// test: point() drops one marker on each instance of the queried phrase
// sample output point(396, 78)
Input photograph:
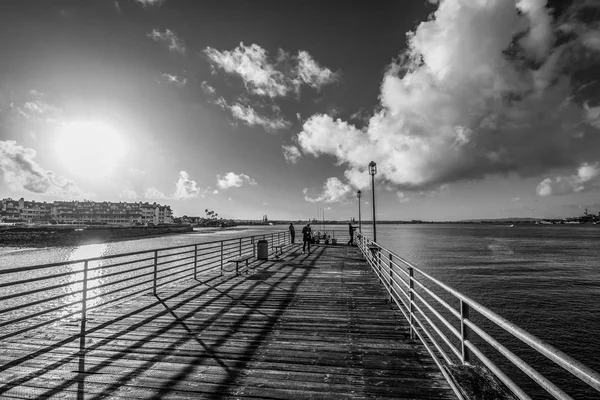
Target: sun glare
point(90, 149)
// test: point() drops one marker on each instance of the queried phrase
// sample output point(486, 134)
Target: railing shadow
point(182, 307)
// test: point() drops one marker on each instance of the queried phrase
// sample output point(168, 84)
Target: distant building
point(85, 212)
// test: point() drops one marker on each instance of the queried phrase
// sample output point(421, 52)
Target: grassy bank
point(47, 236)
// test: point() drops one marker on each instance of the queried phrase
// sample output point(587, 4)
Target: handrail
point(372, 252)
point(68, 288)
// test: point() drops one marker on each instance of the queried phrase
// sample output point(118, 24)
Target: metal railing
point(449, 333)
point(41, 295)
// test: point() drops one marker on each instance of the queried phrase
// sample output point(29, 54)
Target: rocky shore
point(48, 236)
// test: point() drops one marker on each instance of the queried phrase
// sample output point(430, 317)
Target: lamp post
point(358, 194)
point(372, 172)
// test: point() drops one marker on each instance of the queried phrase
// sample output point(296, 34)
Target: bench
point(278, 250)
point(240, 259)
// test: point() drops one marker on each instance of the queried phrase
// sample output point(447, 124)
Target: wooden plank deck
point(304, 326)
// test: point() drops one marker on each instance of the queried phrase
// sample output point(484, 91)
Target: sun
point(90, 149)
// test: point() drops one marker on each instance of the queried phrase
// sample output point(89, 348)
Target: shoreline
point(41, 237)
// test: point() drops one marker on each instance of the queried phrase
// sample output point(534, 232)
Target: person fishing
point(351, 230)
point(292, 232)
point(306, 237)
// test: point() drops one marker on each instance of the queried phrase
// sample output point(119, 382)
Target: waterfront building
point(85, 212)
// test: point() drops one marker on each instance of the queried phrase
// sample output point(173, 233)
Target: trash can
point(262, 250)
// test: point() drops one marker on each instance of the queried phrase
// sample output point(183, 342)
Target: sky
point(470, 108)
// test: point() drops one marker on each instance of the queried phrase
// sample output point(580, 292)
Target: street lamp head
point(372, 168)
point(358, 194)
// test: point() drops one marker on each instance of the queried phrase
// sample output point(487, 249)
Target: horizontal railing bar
point(119, 290)
point(438, 299)
point(163, 255)
point(449, 379)
point(158, 264)
point(438, 331)
point(37, 314)
point(516, 390)
point(38, 290)
point(432, 338)
point(178, 266)
point(119, 264)
point(129, 271)
point(448, 325)
point(517, 361)
point(129, 278)
point(36, 279)
point(40, 301)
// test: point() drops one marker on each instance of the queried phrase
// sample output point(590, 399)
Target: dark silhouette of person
point(292, 232)
point(351, 230)
point(306, 237)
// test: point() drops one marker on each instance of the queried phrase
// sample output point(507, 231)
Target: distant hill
point(524, 219)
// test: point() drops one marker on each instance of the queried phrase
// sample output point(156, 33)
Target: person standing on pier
point(292, 232)
point(306, 237)
point(351, 230)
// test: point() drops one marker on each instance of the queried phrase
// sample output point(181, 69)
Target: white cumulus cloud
point(185, 188)
point(334, 190)
point(587, 178)
point(291, 153)
point(173, 79)
point(154, 194)
point(269, 77)
point(21, 172)
point(231, 179)
point(169, 38)
point(482, 89)
point(250, 117)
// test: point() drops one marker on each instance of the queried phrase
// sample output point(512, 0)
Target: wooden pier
point(304, 326)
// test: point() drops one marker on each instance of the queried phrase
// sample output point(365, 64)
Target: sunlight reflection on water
point(74, 282)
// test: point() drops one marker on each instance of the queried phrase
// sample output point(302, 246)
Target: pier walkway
point(304, 326)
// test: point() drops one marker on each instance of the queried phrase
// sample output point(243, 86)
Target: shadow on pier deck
point(303, 326)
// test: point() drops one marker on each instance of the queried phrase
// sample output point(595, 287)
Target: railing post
point(196, 261)
point(464, 332)
point(391, 278)
point(155, 271)
point(240, 247)
point(253, 247)
point(84, 296)
point(221, 257)
point(411, 285)
point(271, 242)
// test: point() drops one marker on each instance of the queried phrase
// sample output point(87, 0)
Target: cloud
point(21, 172)
point(128, 193)
point(137, 172)
point(155, 194)
point(208, 89)
point(483, 88)
point(38, 107)
point(174, 79)
point(251, 117)
point(169, 38)
point(403, 197)
point(291, 153)
point(271, 77)
point(334, 190)
point(231, 179)
point(185, 188)
point(587, 178)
